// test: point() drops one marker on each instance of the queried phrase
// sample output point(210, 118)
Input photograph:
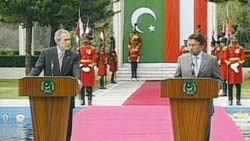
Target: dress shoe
point(82, 102)
point(90, 103)
point(224, 94)
point(102, 87)
point(113, 82)
point(238, 103)
point(88, 95)
point(230, 103)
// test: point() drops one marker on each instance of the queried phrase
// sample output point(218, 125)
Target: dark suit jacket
point(48, 61)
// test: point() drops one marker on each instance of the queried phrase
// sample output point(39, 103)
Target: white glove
point(90, 65)
point(219, 62)
point(86, 69)
point(235, 67)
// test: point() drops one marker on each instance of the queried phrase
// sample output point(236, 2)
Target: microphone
point(52, 69)
point(192, 66)
point(192, 63)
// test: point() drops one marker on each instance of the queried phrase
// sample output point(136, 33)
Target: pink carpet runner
point(148, 94)
point(141, 123)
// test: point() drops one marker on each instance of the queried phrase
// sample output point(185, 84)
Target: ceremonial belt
point(85, 60)
point(234, 59)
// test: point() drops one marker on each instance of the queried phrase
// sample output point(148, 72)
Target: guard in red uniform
point(135, 47)
point(235, 58)
point(87, 64)
point(184, 48)
point(102, 61)
point(113, 60)
point(223, 65)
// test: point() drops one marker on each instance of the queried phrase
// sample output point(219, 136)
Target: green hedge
point(16, 52)
point(247, 62)
point(15, 61)
point(19, 61)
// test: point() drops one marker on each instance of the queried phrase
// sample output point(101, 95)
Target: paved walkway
point(114, 95)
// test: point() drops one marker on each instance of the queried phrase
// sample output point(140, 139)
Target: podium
point(50, 101)
point(191, 106)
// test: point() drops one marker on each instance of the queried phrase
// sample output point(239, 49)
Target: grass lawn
point(246, 89)
point(246, 85)
point(9, 88)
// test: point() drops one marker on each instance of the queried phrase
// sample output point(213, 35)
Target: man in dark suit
point(60, 61)
point(198, 64)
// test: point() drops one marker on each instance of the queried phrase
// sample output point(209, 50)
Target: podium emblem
point(48, 87)
point(190, 88)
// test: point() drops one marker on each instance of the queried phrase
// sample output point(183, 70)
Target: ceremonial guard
point(113, 60)
point(184, 48)
point(235, 58)
point(102, 61)
point(223, 66)
point(87, 64)
point(135, 49)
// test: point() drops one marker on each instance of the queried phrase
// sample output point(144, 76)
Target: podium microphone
point(192, 63)
point(192, 66)
point(52, 69)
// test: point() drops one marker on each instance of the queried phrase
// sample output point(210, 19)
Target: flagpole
point(79, 17)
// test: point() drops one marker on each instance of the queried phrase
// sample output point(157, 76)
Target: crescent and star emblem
point(138, 13)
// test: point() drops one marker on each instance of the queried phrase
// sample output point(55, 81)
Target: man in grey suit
point(198, 64)
point(60, 61)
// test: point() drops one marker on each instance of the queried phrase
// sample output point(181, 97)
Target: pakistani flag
point(164, 24)
point(149, 16)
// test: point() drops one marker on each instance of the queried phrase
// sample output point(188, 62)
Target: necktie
point(196, 66)
point(60, 58)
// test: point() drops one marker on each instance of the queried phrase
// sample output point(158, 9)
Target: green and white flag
point(148, 14)
point(163, 24)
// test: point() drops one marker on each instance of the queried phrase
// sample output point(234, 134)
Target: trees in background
point(23, 12)
point(238, 13)
point(53, 13)
point(8, 31)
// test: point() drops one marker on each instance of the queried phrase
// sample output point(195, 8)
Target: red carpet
point(141, 123)
point(148, 94)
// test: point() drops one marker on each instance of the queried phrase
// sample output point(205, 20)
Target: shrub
point(15, 61)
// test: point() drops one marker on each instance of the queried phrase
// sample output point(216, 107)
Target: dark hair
point(198, 37)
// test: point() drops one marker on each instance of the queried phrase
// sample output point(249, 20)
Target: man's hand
point(79, 83)
point(219, 62)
